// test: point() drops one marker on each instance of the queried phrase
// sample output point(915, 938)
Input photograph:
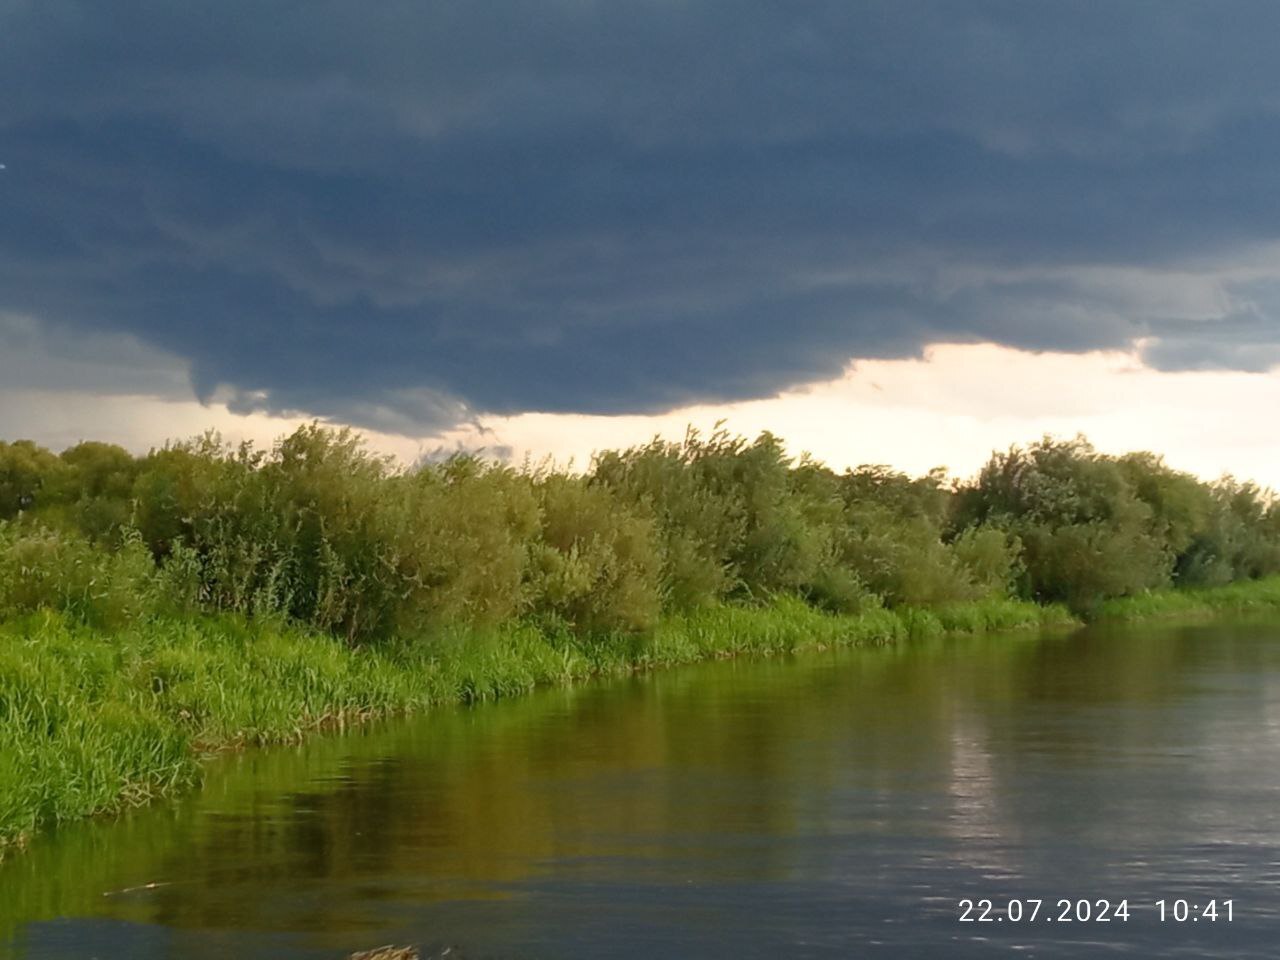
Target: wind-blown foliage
point(1095, 527)
point(320, 532)
point(207, 595)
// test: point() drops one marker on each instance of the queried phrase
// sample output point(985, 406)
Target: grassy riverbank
point(94, 721)
point(1242, 597)
point(204, 596)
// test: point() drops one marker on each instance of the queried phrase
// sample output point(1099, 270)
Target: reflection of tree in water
point(738, 772)
point(465, 803)
point(1110, 736)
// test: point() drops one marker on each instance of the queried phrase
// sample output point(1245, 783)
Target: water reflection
point(814, 807)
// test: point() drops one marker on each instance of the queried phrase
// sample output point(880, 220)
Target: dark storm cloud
point(405, 213)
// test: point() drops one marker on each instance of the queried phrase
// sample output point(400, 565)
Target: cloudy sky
point(900, 232)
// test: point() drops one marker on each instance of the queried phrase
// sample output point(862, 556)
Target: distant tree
point(27, 471)
point(98, 486)
point(1085, 531)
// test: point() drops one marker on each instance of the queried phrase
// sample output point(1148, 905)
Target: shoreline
point(93, 722)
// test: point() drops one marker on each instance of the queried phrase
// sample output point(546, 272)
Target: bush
point(734, 518)
point(44, 569)
point(598, 565)
point(891, 537)
point(27, 472)
point(1086, 533)
point(991, 558)
point(463, 543)
point(319, 531)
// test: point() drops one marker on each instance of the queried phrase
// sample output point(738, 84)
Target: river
point(838, 804)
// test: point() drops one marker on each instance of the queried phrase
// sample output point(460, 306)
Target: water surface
point(832, 805)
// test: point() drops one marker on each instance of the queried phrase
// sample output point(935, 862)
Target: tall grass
point(93, 721)
point(1253, 596)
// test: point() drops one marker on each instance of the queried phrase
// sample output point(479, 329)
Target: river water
point(838, 804)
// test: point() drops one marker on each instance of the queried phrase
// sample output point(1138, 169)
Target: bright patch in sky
point(950, 408)
point(894, 232)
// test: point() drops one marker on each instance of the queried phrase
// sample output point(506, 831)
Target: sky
point(891, 232)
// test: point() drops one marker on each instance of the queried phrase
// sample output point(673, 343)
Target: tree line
point(320, 531)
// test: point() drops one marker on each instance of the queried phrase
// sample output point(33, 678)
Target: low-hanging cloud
point(406, 215)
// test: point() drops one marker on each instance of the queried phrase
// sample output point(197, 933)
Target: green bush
point(735, 519)
point(463, 538)
point(991, 558)
point(319, 531)
point(891, 537)
point(27, 473)
point(1086, 533)
point(597, 566)
point(45, 569)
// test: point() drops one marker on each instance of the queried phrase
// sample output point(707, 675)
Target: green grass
point(1245, 596)
point(92, 721)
